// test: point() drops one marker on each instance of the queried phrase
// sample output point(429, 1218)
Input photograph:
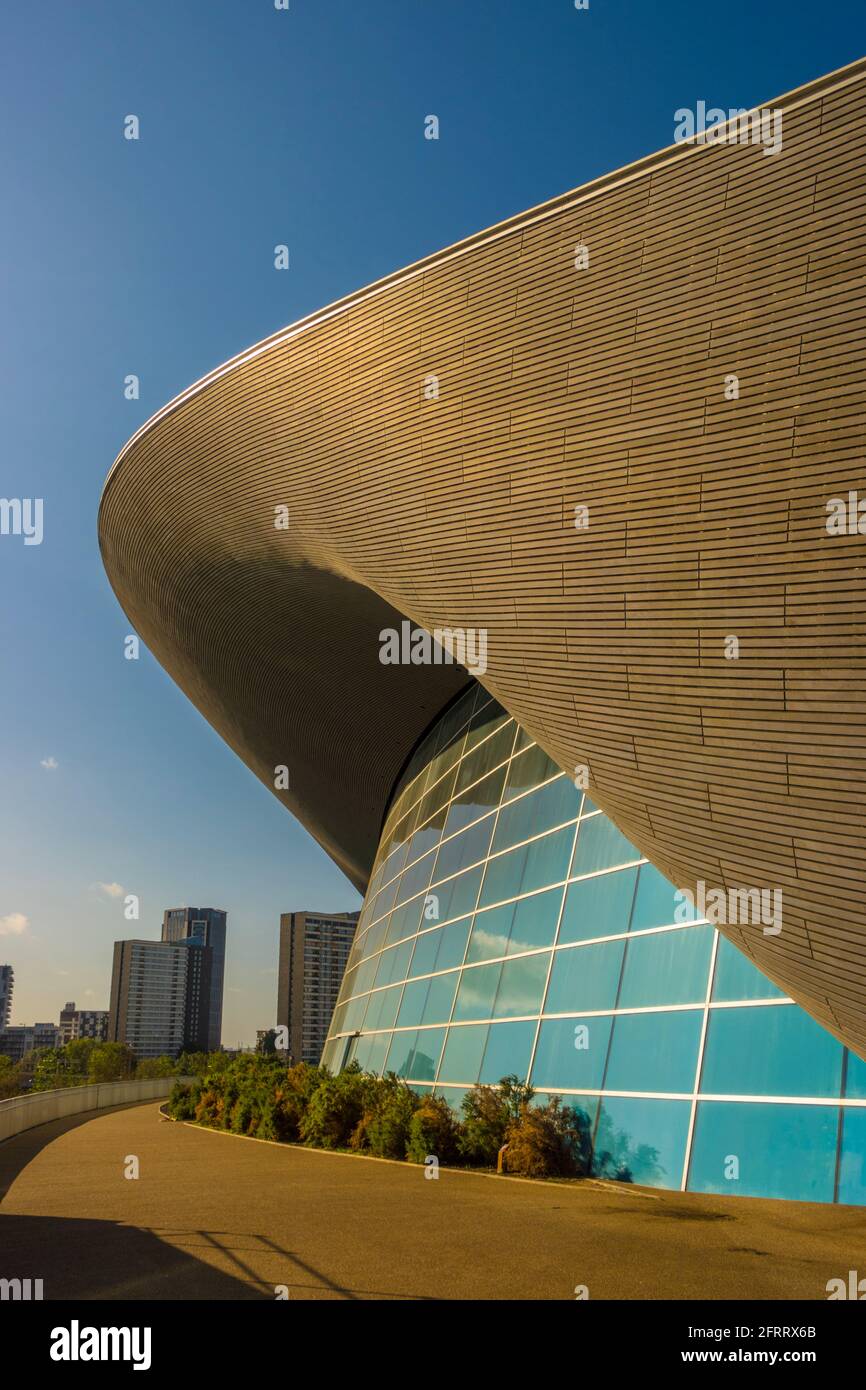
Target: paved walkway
point(216, 1217)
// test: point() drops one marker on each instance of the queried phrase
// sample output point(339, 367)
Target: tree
point(155, 1066)
point(111, 1061)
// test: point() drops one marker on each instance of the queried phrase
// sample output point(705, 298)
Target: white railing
point(37, 1108)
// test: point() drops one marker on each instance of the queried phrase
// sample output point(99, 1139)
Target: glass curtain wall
point(510, 928)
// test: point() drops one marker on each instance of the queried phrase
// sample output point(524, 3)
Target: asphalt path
point(214, 1216)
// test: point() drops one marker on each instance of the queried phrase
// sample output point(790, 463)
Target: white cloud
point(13, 924)
point(111, 890)
point(49, 763)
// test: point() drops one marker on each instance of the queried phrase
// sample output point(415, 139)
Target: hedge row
point(383, 1116)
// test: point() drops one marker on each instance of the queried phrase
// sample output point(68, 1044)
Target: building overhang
point(559, 386)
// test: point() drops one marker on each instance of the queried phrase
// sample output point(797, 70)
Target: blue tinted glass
point(394, 963)
point(509, 1046)
point(737, 978)
point(426, 946)
point(601, 846)
point(584, 977)
point(453, 1094)
point(642, 1141)
point(571, 1053)
point(457, 896)
point(656, 903)
point(452, 944)
point(541, 810)
point(598, 906)
point(774, 1050)
point(412, 1006)
point(414, 880)
point(855, 1079)
point(477, 992)
point(852, 1167)
point(669, 967)
point(535, 921)
point(464, 1049)
point(536, 865)
point(490, 933)
point(377, 1052)
point(407, 1060)
point(755, 1150)
point(440, 997)
point(475, 802)
point(462, 850)
point(654, 1052)
point(521, 986)
point(425, 1054)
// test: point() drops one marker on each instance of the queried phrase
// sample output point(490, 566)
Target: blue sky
point(155, 257)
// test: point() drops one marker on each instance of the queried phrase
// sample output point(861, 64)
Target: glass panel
point(669, 967)
point(654, 1052)
point(463, 1052)
point(457, 895)
point(530, 769)
point(737, 977)
point(597, 906)
point(377, 1053)
point(852, 1166)
point(541, 810)
point(414, 880)
point(585, 977)
point(855, 1078)
point(452, 944)
point(415, 1056)
point(382, 1010)
point(440, 998)
point(755, 1150)
point(490, 933)
point(509, 1047)
point(394, 963)
point(485, 757)
point(601, 846)
point(475, 802)
point(571, 1053)
point(477, 992)
point(521, 986)
point(412, 1006)
point(774, 1050)
point(641, 1141)
point(470, 847)
point(536, 865)
point(426, 946)
point(656, 902)
point(534, 921)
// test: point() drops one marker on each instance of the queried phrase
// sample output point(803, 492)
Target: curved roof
point(560, 388)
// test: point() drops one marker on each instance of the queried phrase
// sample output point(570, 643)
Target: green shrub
point(335, 1108)
point(183, 1100)
point(384, 1125)
point(485, 1120)
point(434, 1130)
point(547, 1141)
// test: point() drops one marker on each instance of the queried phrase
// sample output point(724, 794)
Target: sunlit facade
point(510, 928)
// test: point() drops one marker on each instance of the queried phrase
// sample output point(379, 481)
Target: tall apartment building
point(314, 949)
point(7, 980)
point(203, 926)
point(82, 1023)
point(149, 993)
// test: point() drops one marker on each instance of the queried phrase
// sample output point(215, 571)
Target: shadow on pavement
point(109, 1260)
